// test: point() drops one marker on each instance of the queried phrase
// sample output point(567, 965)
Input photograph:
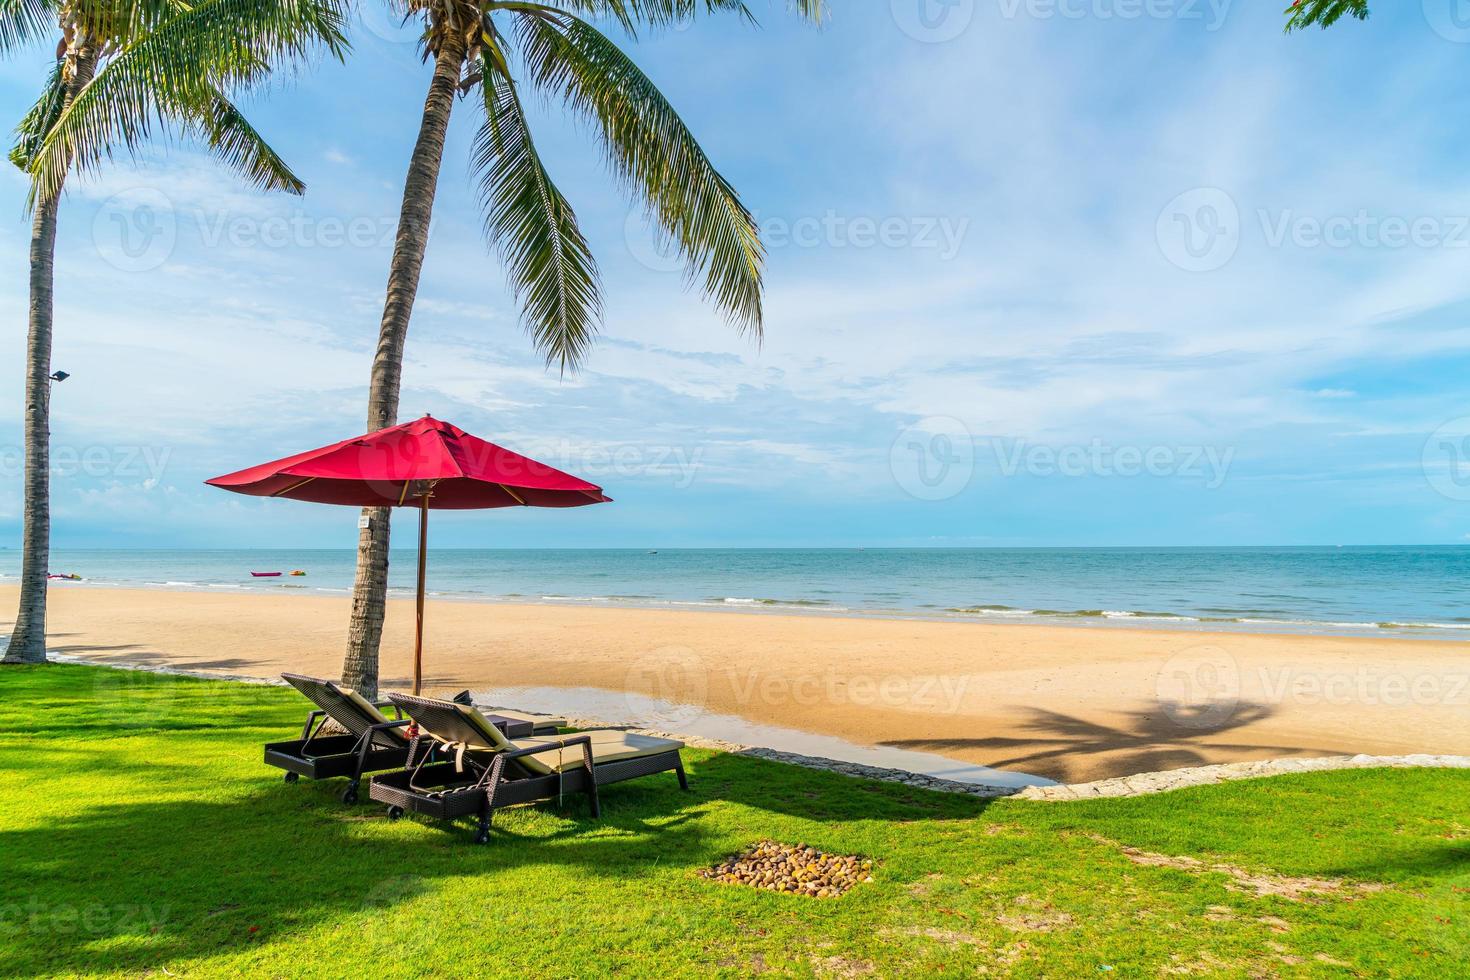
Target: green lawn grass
point(140, 833)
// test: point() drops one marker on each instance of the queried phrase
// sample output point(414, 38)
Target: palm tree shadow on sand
point(1158, 736)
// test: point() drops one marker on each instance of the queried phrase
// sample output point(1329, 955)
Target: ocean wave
point(1132, 614)
point(990, 611)
point(711, 603)
point(1145, 615)
point(1135, 615)
point(1233, 612)
point(1340, 625)
point(793, 603)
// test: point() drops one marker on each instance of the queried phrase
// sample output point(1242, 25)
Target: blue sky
point(1042, 272)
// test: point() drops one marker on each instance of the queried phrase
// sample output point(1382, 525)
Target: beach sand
point(1067, 703)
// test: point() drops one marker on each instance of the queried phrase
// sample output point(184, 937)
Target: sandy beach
point(1066, 703)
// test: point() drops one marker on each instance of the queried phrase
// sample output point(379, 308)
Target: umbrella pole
point(418, 629)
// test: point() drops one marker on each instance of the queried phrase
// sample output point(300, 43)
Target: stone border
point(1140, 784)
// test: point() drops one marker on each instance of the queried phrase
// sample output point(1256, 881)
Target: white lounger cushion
point(607, 746)
point(364, 705)
point(370, 710)
point(537, 720)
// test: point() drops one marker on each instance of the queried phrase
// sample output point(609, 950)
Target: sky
point(1041, 272)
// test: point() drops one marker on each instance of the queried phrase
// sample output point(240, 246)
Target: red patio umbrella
point(425, 464)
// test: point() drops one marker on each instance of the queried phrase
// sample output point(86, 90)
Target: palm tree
point(124, 68)
point(490, 48)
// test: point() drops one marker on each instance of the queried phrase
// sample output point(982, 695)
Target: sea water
point(1412, 591)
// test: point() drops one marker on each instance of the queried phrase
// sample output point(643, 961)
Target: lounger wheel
point(291, 777)
point(349, 795)
point(395, 813)
point(482, 826)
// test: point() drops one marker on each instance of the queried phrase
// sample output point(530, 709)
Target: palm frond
point(1324, 13)
point(177, 72)
point(230, 137)
point(548, 260)
point(23, 22)
point(812, 10)
point(31, 131)
point(654, 154)
point(114, 24)
point(630, 15)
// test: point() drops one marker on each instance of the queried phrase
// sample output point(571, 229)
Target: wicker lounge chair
point(475, 769)
point(362, 740)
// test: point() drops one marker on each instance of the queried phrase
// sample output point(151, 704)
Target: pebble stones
point(798, 870)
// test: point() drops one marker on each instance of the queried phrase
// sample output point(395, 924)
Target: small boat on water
point(266, 574)
point(298, 572)
point(68, 577)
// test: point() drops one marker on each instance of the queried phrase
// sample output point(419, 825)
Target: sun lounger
point(362, 740)
point(475, 769)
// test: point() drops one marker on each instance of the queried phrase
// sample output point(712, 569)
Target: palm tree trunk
point(28, 639)
point(369, 593)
